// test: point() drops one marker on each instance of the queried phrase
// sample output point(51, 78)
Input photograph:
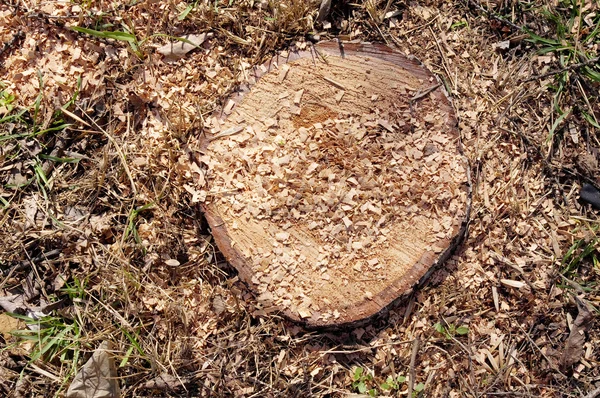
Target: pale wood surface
point(410, 148)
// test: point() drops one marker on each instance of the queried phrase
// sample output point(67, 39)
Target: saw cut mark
point(338, 191)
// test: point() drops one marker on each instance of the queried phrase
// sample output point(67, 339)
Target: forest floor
point(103, 240)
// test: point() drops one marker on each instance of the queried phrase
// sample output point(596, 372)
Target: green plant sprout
point(574, 43)
point(54, 340)
point(131, 229)
point(418, 389)
point(393, 383)
point(582, 250)
point(362, 382)
point(183, 15)
point(451, 330)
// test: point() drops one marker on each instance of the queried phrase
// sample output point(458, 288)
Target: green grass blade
point(590, 119)
point(53, 342)
point(60, 160)
point(39, 171)
point(182, 39)
point(13, 136)
point(536, 39)
point(115, 35)
point(127, 355)
point(55, 128)
point(9, 118)
point(134, 342)
point(551, 49)
point(557, 123)
point(592, 74)
point(183, 15)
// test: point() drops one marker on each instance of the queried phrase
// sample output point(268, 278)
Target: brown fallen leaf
point(177, 49)
point(8, 324)
point(97, 378)
point(324, 10)
point(574, 346)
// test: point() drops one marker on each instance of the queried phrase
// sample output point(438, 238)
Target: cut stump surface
point(336, 182)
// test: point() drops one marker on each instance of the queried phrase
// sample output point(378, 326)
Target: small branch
point(334, 83)
point(424, 93)
point(413, 358)
point(27, 263)
point(495, 16)
point(565, 69)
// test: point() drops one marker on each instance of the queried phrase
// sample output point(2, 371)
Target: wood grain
point(336, 84)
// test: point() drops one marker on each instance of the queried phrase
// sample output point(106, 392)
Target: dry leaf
point(574, 346)
point(98, 377)
point(8, 324)
point(177, 49)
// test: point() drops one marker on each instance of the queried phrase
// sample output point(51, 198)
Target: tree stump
point(336, 182)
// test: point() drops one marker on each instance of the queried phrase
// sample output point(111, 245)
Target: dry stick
point(469, 384)
point(541, 352)
point(35, 270)
point(413, 358)
point(421, 27)
point(545, 164)
point(424, 93)
point(25, 264)
point(444, 59)
point(515, 100)
point(334, 83)
point(566, 69)
point(399, 44)
point(361, 349)
point(586, 99)
point(381, 33)
point(495, 16)
point(470, 357)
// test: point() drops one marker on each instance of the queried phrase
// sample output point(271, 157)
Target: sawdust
point(196, 320)
point(336, 201)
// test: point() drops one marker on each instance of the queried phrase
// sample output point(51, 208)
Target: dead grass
point(119, 219)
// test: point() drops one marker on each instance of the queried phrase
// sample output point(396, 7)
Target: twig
point(495, 16)
point(545, 164)
point(112, 141)
point(413, 358)
point(230, 131)
point(334, 83)
point(550, 364)
point(415, 29)
point(25, 264)
point(561, 70)
point(354, 349)
point(470, 357)
point(444, 59)
point(424, 93)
